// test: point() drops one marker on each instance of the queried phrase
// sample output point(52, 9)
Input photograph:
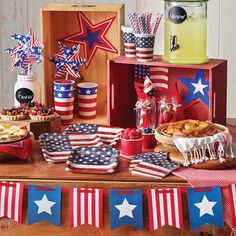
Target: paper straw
point(157, 23)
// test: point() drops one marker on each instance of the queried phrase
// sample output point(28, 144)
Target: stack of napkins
point(152, 164)
point(95, 160)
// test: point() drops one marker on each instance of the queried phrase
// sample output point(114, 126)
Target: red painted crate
point(122, 96)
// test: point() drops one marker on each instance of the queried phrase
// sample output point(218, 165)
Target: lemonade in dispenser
point(185, 29)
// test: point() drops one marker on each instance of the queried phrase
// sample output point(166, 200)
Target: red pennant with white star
point(92, 37)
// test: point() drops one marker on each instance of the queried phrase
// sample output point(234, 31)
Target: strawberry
point(167, 115)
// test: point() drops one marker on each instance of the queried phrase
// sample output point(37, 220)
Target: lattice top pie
point(189, 129)
point(9, 133)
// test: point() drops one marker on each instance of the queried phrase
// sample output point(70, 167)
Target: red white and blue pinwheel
point(67, 61)
point(27, 52)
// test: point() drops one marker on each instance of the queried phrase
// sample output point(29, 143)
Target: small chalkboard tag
point(177, 15)
point(24, 95)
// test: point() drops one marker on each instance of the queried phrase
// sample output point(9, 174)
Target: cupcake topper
point(67, 61)
point(27, 52)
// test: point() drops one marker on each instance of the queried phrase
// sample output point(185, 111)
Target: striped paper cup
point(129, 41)
point(144, 47)
point(64, 85)
point(87, 100)
point(64, 103)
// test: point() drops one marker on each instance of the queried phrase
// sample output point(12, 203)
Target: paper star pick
point(67, 61)
point(92, 36)
point(125, 209)
point(44, 205)
point(198, 88)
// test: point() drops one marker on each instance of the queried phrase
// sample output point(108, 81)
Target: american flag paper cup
point(64, 85)
point(87, 100)
point(144, 47)
point(64, 101)
point(129, 41)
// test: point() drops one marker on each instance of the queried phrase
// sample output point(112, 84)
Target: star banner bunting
point(92, 37)
point(44, 204)
point(165, 208)
point(86, 207)
point(126, 208)
point(205, 206)
point(198, 88)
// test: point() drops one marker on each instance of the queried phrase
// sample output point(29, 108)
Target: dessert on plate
point(10, 133)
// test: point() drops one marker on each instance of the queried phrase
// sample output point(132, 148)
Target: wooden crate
point(122, 95)
point(61, 20)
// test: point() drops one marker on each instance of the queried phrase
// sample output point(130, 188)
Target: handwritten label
point(24, 95)
point(177, 15)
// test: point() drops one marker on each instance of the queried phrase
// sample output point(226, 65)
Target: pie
point(189, 129)
point(41, 114)
point(10, 133)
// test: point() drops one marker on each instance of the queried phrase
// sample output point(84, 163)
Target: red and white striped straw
point(157, 23)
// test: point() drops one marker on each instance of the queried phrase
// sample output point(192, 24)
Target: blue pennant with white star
point(44, 204)
point(126, 208)
point(197, 88)
point(205, 206)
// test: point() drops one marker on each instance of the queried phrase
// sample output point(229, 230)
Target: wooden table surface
point(37, 171)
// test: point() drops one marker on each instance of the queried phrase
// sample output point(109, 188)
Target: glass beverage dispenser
point(185, 26)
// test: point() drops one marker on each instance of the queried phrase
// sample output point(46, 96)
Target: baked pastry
point(15, 113)
point(9, 133)
point(189, 129)
point(41, 114)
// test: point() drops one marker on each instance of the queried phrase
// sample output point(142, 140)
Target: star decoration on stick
point(27, 52)
point(67, 61)
point(92, 36)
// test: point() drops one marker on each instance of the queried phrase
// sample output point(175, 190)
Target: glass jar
point(146, 114)
point(185, 30)
point(26, 89)
point(167, 109)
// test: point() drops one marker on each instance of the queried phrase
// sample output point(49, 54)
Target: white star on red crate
point(92, 37)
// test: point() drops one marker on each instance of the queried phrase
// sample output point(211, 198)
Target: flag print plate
point(108, 135)
point(56, 147)
point(81, 128)
point(101, 160)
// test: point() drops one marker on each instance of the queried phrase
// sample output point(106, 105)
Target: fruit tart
point(15, 113)
point(41, 113)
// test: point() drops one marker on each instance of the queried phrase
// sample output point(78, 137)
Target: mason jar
point(185, 31)
point(26, 89)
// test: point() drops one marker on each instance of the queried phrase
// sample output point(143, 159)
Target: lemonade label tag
point(177, 15)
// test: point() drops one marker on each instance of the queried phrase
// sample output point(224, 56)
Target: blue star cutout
point(198, 88)
point(92, 37)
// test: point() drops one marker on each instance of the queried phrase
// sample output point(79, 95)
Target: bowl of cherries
point(131, 142)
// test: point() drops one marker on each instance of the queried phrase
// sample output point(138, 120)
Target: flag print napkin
point(152, 164)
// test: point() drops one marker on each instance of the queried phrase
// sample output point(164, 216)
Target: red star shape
point(92, 37)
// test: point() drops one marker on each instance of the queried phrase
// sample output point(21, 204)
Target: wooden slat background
point(16, 16)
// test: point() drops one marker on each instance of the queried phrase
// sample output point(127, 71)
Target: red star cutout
point(92, 37)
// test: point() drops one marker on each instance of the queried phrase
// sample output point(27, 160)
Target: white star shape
point(69, 95)
point(55, 87)
point(199, 87)
point(71, 87)
point(205, 206)
point(44, 205)
point(59, 95)
point(62, 88)
point(88, 91)
point(96, 90)
point(79, 91)
point(126, 209)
